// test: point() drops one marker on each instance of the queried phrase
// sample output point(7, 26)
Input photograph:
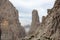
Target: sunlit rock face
point(54, 31)
point(9, 23)
point(50, 27)
point(35, 22)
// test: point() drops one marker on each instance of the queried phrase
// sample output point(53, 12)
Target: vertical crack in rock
point(0, 33)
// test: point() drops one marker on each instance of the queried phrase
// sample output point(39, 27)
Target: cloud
point(30, 3)
point(25, 8)
point(25, 21)
point(25, 18)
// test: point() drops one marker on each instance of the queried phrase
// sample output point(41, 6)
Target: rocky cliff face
point(10, 28)
point(9, 23)
point(35, 22)
point(49, 29)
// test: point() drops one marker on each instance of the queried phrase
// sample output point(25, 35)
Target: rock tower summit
point(35, 21)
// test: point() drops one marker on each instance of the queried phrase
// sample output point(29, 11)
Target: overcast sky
point(25, 8)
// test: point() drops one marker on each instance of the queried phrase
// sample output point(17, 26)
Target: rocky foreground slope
point(10, 28)
point(49, 29)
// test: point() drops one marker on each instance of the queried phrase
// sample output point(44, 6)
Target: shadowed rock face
point(35, 22)
point(9, 23)
point(0, 34)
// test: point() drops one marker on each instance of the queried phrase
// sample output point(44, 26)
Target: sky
point(25, 8)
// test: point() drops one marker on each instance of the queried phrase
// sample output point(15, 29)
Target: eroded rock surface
point(49, 29)
point(35, 22)
point(9, 23)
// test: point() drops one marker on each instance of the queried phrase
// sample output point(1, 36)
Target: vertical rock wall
point(9, 22)
point(35, 22)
